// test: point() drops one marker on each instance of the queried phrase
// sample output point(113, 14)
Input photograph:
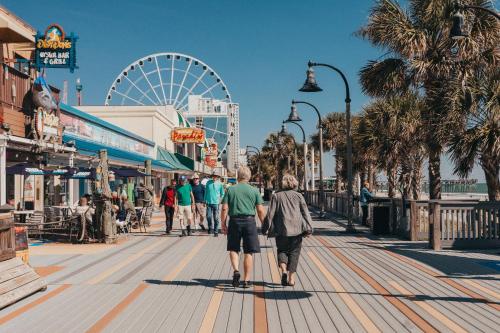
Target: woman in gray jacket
point(288, 220)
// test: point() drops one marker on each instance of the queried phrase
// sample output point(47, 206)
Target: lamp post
point(305, 185)
point(310, 85)
point(258, 164)
point(79, 88)
point(294, 116)
point(457, 29)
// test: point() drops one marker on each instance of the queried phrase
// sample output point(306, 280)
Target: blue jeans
point(213, 218)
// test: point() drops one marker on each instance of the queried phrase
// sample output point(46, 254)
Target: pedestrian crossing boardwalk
point(345, 283)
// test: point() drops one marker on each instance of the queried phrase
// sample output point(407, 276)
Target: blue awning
point(92, 149)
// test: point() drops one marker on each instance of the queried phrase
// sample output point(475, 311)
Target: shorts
point(243, 228)
point(199, 211)
point(185, 212)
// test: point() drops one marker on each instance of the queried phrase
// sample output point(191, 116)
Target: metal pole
point(295, 161)
point(306, 184)
point(313, 180)
point(321, 186)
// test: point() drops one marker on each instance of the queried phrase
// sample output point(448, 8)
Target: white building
point(221, 122)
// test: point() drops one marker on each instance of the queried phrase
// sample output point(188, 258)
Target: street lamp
point(457, 31)
point(284, 132)
point(294, 115)
point(311, 85)
point(258, 164)
point(305, 185)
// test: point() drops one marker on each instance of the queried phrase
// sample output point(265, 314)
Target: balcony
point(14, 85)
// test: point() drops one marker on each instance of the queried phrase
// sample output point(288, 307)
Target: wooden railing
point(13, 86)
point(461, 223)
point(464, 225)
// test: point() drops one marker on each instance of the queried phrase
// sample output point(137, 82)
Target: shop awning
point(172, 159)
point(24, 169)
point(92, 149)
point(128, 172)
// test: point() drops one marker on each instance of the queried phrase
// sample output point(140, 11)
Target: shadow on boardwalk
point(225, 285)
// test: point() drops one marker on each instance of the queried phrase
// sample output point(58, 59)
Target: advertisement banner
point(211, 153)
point(187, 135)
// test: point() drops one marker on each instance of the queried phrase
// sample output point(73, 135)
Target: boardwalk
point(346, 283)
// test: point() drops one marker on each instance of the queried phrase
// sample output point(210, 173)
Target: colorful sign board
point(211, 153)
point(187, 135)
point(54, 49)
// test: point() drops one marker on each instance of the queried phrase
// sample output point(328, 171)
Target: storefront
point(127, 152)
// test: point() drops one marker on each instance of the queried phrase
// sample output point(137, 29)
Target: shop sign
point(187, 135)
point(46, 124)
point(211, 154)
point(54, 49)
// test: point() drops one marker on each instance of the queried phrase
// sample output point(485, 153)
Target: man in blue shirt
point(214, 192)
point(199, 201)
point(364, 198)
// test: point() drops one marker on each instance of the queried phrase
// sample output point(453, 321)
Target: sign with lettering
point(187, 135)
point(211, 153)
point(54, 49)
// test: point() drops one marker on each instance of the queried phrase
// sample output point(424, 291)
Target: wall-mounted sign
point(45, 119)
point(211, 153)
point(187, 135)
point(54, 49)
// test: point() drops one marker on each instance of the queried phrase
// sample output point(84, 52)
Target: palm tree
point(334, 135)
point(388, 130)
point(422, 58)
point(480, 137)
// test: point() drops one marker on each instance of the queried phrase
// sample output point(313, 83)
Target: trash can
point(381, 216)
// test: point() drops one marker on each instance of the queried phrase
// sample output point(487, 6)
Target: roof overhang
point(13, 29)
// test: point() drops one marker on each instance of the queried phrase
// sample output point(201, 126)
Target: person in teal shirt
point(184, 205)
point(214, 192)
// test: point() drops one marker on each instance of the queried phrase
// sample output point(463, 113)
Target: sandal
point(236, 279)
point(284, 279)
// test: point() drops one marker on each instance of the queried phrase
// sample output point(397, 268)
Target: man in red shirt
point(168, 200)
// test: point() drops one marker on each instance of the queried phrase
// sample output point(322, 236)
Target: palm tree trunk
point(434, 172)
point(416, 179)
point(338, 182)
point(491, 173)
point(391, 180)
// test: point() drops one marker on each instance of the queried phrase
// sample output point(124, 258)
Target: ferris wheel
point(170, 79)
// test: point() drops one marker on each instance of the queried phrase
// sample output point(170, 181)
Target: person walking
point(240, 203)
point(288, 220)
point(364, 198)
point(184, 205)
point(199, 201)
point(214, 192)
point(168, 200)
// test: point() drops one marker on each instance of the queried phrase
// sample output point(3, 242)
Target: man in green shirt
point(184, 205)
point(241, 203)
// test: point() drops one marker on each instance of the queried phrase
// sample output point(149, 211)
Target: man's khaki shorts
point(185, 213)
point(200, 211)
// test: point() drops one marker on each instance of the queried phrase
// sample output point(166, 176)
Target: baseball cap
point(196, 176)
point(183, 177)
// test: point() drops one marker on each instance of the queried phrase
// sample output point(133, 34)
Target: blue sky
point(260, 48)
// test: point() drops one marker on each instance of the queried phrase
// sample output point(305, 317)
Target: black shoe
point(209, 231)
point(236, 279)
point(202, 227)
point(284, 279)
point(167, 232)
point(216, 234)
point(246, 284)
point(183, 234)
point(188, 230)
